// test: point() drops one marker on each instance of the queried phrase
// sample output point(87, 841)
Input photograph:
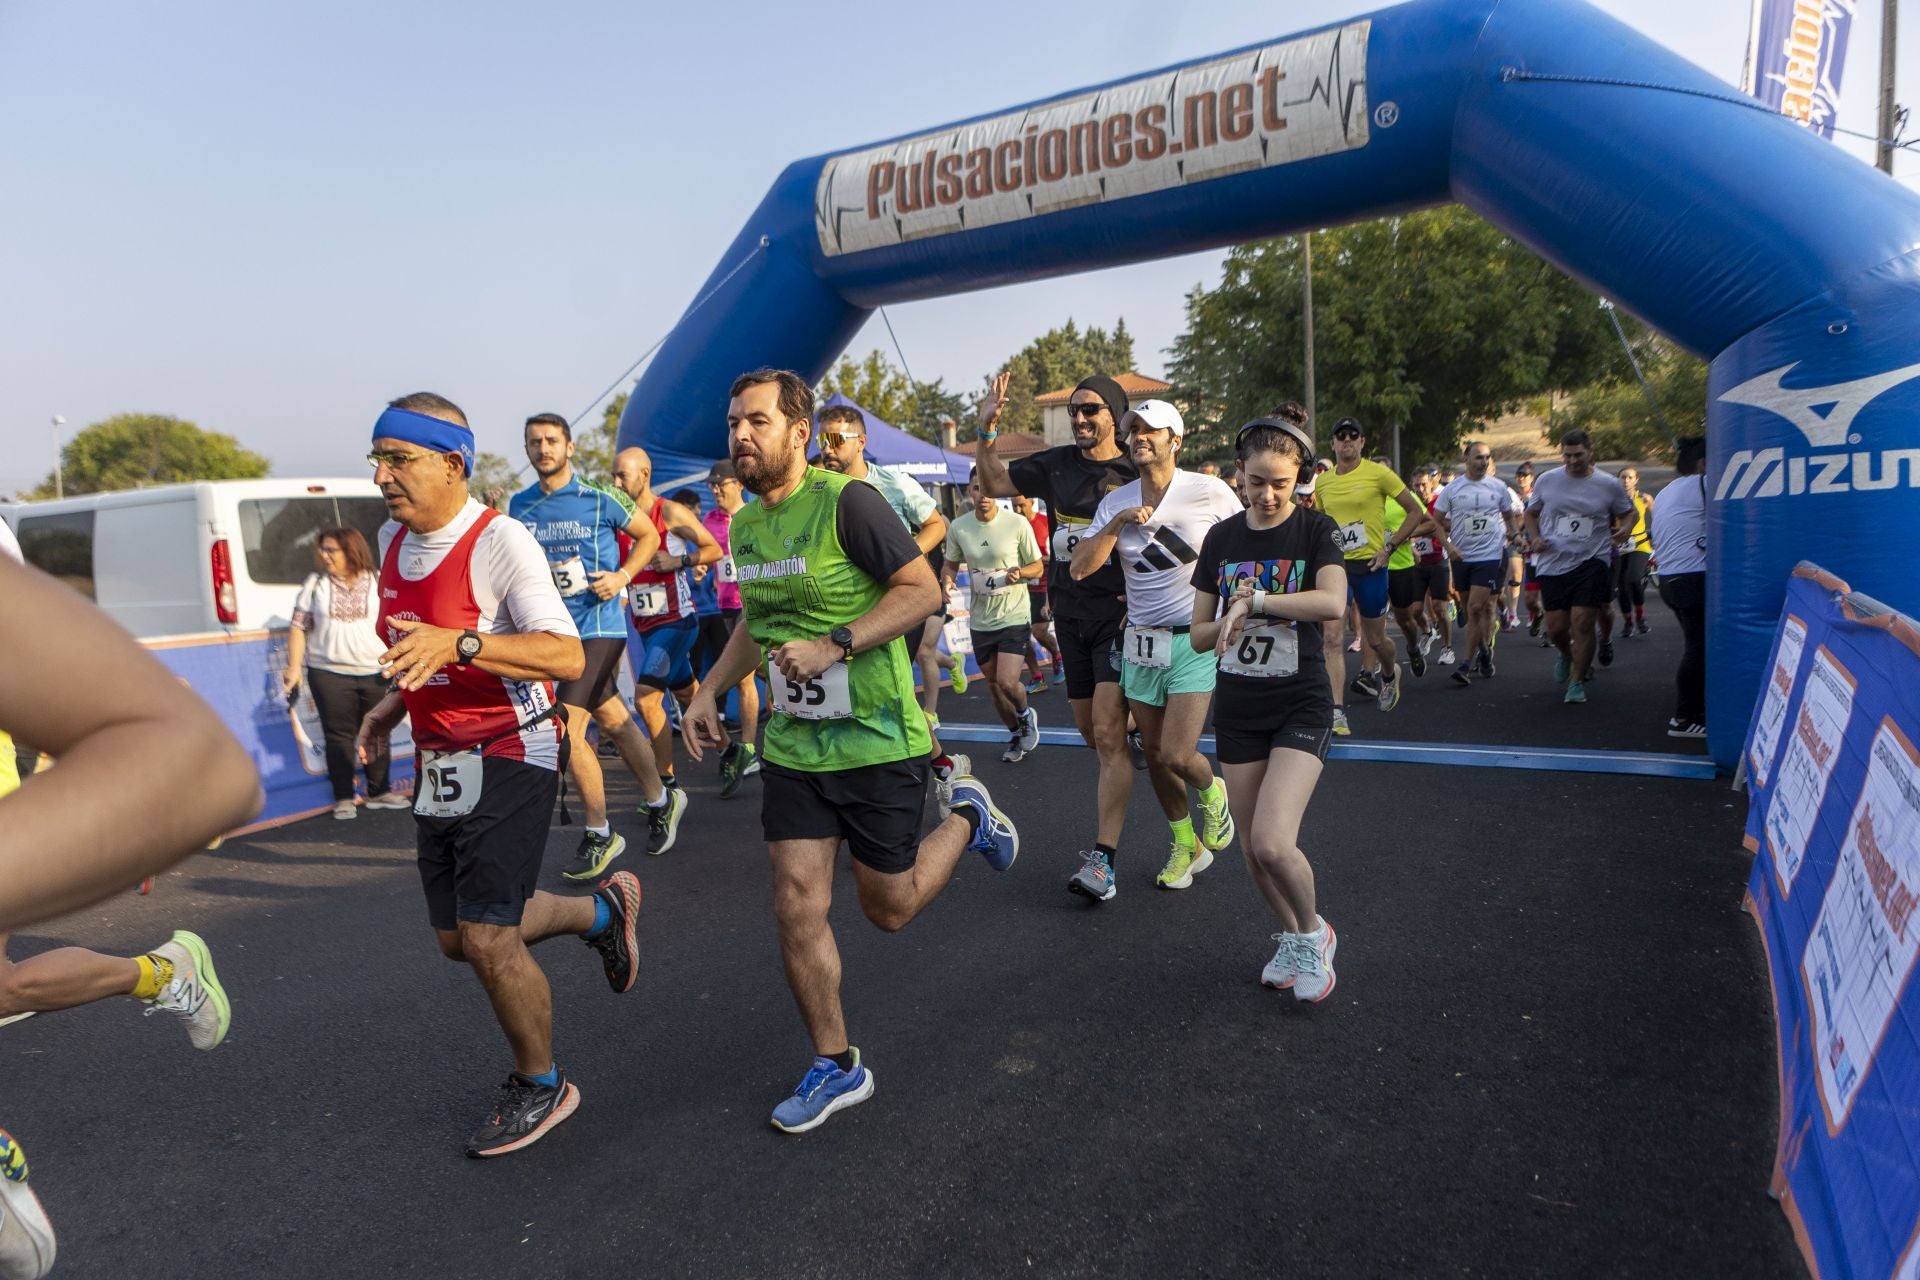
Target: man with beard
point(575, 522)
point(830, 582)
point(1088, 611)
point(1575, 516)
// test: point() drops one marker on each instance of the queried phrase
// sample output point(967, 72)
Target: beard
point(764, 471)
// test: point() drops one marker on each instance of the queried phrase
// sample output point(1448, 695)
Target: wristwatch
point(467, 646)
point(843, 636)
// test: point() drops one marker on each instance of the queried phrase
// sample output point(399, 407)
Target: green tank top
point(797, 583)
point(1402, 556)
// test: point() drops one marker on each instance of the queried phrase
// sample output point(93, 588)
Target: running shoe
point(1137, 750)
point(1285, 965)
point(1183, 864)
point(1606, 653)
point(1036, 685)
point(1059, 673)
point(1389, 696)
point(1562, 668)
point(389, 800)
point(1463, 676)
point(595, 852)
point(663, 823)
point(933, 721)
point(1576, 692)
point(1014, 753)
point(943, 779)
point(1513, 622)
point(1533, 625)
point(1029, 729)
point(1427, 641)
point(1313, 960)
point(343, 810)
point(1340, 729)
point(619, 943)
point(1486, 664)
point(996, 840)
point(194, 993)
point(27, 1246)
point(1216, 828)
point(1353, 645)
point(1642, 627)
point(1365, 685)
point(1094, 879)
point(1626, 629)
point(959, 674)
point(524, 1112)
point(1446, 658)
point(738, 760)
point(1678, 728)
point(824, 1090)
point(1416, 659)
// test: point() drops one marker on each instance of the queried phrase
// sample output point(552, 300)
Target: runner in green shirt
point(829, 582)
point(1002, 556)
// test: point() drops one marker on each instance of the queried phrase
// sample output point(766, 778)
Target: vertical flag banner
point(1796, 52)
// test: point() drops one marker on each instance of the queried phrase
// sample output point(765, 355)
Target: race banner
point(1833, 773)
point(1796, 52)
point(1282, 102)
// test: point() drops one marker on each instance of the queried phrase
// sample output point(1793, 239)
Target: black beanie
point(1109, 390)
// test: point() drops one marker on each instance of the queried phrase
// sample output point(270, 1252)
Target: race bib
point(825, 697)
point(1423, 546)
point(1150, 647)
point(569, 575)
point(1572, 527)
point(1351, 537)
point(1267, 650)
point(647, 599)
point(726, 571)
point(981, 591)
point(449, 783)
point(1066, 536)
point(1479, 524)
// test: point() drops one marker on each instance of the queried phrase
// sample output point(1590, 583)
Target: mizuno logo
point(1769, 473)
point(1824, 415)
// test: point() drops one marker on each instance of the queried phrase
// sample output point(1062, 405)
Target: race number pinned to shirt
point(726, 571)
point(647, 599)
point(1266, 650)
point(449, 783)
point(825, 697)
point(1149, 647)
point(1574, 528)
point(1067, 533)
point(1423, 546)
point(1351, 537)
point(569, 575)
point(1479, 524)
point(988, 585)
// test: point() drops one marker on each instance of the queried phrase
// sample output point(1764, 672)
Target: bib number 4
point(824, 697)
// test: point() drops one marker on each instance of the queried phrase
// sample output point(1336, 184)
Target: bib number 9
point(1265, 650)
point(824, 697)
point(1571, 527)
point(449, 784)
point(1149, 647)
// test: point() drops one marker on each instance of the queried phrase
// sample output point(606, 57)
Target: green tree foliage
point(1614, 408)
point(1434, 321)
point(494, 480)
point(1060, 358)
point(880, 387)
point(594, 443)
point(135, 450)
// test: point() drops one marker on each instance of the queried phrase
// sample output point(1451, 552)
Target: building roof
point(1137, 386)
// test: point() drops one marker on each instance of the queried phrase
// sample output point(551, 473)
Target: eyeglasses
point(393, 459)
point(837, 439)
point(1084, 410)
point(1347, 433)
point(721, 483)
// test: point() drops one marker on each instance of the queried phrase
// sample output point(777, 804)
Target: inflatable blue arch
point(1787, 263)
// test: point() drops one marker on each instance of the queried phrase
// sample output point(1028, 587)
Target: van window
point(277, 534)
point(61, 545)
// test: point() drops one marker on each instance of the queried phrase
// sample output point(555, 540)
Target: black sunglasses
point(1348, 433)
point(1084, 410)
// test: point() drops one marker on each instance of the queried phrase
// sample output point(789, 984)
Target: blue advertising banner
point(1796, 53)
point(1833, 770)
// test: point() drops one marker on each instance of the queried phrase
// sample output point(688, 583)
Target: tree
point(594, 445)
point(885, 391)
point(493, 481)
point(1058, 358)
point(1614, 410)
point(1434, 321)
point(134, 450)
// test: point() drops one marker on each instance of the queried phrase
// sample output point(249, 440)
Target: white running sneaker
point(1029, 730)
point(1313, 964)
point(389, 800)
point(1446, 658)
point(1389, 696)
point(195, 993)
point(344, 809)
point(1426, 643)
point(1283, 968)
point(943, 783)
point(26, 1236)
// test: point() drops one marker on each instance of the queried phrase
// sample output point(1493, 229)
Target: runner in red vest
point(479, 633)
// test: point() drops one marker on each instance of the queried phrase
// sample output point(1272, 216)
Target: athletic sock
point(155, 973)
point(943, 761)
point(550, 1077)
point(661, 803)
point(1183, 830)
point(1109, 850)
point(842, 1060)
point(972, 816)
point(1215, 795)
point(604, 830)
point(602, 917)
point(668, 781)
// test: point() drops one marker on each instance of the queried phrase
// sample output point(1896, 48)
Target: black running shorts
point(875, 809)
point(1436, 579)
point(1468, 574)
point(483, 866)
point(1403, 587)
point(1090, 652)
point(594, 685)
point(1588, 586)
point(1015, 639)
point(1306, 726)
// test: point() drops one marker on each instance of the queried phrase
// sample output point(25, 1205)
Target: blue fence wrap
point(1833, 759)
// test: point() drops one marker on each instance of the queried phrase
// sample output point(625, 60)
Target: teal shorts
point(1189, 672)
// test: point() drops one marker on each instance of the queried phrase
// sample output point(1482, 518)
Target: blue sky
point(271, 218)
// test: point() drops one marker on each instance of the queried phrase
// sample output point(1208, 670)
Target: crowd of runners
point(1149, 586)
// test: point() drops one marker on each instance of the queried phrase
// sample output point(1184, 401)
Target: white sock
point(604, 830)
point(661, 802)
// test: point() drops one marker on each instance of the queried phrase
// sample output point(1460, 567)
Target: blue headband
point(436, 434)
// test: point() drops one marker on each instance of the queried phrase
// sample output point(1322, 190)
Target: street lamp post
point(59, 481)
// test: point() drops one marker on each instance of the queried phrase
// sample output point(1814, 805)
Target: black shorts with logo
point(595, 683)
point(1090, 651)
point(1468, 574)
point(1588, 586)
point(1015, 640)
point(1305, 725)
point(875, 809)
point(481, 867)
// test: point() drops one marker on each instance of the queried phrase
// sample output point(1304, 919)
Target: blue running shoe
point(824, 1090)
point(996, 840)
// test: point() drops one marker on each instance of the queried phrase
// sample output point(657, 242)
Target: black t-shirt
point(1284, 559)
point(1072, 487)
point(871, 534)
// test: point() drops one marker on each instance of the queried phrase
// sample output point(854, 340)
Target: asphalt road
point(1550, 1051)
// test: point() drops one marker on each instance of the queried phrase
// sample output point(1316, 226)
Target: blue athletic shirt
point(574, 526)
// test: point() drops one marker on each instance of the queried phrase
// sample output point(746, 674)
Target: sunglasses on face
point(1346, 433)
point(1084, 410)
point(836, 439)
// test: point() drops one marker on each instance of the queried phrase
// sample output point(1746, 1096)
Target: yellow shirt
point(9, 766)
point(1639, 540)
point(1357, 501)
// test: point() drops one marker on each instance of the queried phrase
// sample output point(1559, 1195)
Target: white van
point(188, 559)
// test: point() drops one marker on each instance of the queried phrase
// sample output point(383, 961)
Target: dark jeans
point(1686, 595)
point(343, 701)
point(1630, 580)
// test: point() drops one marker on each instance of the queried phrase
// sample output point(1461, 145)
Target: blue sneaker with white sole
point(996, 839)
point(824, 1090)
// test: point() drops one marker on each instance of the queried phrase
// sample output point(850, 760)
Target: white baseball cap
point(1157, 415)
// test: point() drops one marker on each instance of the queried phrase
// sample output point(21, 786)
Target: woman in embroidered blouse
point(333, 636)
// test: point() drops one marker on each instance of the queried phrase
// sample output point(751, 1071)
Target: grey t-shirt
point(1575, 517)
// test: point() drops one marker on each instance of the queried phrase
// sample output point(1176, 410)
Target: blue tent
point(889, 446)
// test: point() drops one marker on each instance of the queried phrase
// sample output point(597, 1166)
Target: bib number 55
point(824, 697)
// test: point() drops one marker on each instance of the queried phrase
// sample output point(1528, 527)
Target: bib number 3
point(570, 576)
point(825, 697)
point(449, 785)
point(1150, 647)
point(1265, 650)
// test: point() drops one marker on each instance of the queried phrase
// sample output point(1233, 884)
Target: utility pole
point(1306, 311)
point(1889, 35)
point(59, 481)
